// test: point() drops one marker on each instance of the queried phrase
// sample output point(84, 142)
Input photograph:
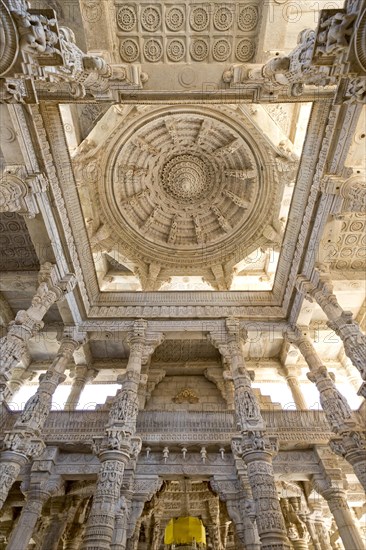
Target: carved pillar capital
point(350, 190)
point(16, 194)
point(352, 447)
point(320, 288)
point(137, 333)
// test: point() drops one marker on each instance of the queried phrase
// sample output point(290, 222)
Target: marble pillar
point(257, 449)
point(296, 528)
point(83, 375)
point(118, 445)
point(36, 497)
point(25, 440)
point(119, 539)
point(52, 288)
point(351, 442)
point(100, 525)
point(340, 321)
point(291, 375)
point(62, 510)
point(320, 536)
point(337, 502)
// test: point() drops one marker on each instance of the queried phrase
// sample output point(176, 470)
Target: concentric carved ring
point(199, 19)
point(129, 50)
point(187, 178)
point(150, 18)
point(126, 18)
point(174, 19)
point(248, 18)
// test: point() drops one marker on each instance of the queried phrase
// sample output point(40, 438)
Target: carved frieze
point(186, 32)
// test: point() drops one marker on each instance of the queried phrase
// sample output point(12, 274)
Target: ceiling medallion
point(186, 178)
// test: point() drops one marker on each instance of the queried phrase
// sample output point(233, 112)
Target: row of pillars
point(119, 444)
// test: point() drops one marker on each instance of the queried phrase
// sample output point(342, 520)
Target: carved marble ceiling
point(17, 252)
point(186, 32)
point(182, 191)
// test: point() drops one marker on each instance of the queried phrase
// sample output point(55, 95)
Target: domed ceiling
point(187, 191)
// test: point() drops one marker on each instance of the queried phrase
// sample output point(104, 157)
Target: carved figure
point(335, 34)
point(36, 34)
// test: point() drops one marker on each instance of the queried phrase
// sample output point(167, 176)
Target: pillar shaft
point(23, 530)
point(82, 377)
point(54, 532)
point(27, 323)
point(310, 524)
point(256, 449)
point(333, 403)
point(249, 535)
point(100, 526)
point(25, 440)
point(322, 534)
point(156, 538)
point(340, 321)
point(351, 446)
point(296, 393)
point(335, 406)
point(336, 499)
point(116, 448)
point(10, 466)
point(270, 523)
point(120, 531)
point(291, 374)
point(133, 541)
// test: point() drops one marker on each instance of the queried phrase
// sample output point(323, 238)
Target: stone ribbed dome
point(185, 188)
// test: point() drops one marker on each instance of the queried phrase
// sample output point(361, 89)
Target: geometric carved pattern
point(186, 32)
point(17, 252)
point(351, 245)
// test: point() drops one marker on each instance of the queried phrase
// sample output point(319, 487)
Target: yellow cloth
point(184, 530)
